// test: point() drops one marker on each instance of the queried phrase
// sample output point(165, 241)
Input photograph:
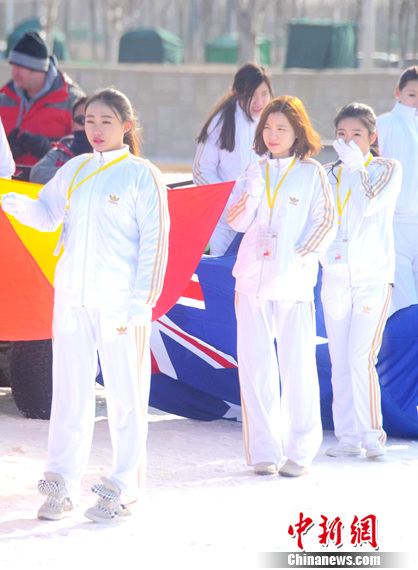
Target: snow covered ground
point(204, 508)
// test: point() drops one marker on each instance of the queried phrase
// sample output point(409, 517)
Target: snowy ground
point(204, 508)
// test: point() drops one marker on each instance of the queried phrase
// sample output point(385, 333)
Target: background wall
point(172, 102)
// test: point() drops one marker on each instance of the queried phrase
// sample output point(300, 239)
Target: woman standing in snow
point(358, 272)
point(283, 203)
point(113, 206)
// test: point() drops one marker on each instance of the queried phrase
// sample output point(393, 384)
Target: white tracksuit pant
point(355, 318)
point(79, 333)
point(281, 414)
point(405, 291)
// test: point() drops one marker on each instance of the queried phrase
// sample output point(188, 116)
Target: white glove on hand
point(350, 154)
point(13, 203)
point(254, 180)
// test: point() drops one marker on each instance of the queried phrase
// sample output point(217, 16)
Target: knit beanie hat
point(31, 51)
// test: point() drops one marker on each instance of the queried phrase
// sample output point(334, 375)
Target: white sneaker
point(58, 504)
point(292, 469)
point(108, 508)
point(343, 450)
point(266, 468)
point(375, 450)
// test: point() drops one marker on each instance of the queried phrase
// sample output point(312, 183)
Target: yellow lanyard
point(71, 188)
point(341, 209)
point(270, 201)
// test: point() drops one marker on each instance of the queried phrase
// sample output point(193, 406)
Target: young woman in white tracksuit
point(398, 138)
point(283, 203)
point(226, 140)
point(358, 272)
point(113, 206)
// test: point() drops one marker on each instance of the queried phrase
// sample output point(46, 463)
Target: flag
point(28, 264)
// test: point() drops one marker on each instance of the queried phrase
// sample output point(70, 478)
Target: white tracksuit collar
point(405, 110)
point(280, 162)
point(108, 156)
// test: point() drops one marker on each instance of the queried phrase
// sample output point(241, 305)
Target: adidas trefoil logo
point(122, 330)
point(294, 201)
point(366, 309)
point(113, 199)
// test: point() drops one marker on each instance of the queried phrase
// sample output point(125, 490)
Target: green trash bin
point(60, 43)
point(320, 44)
point(151, 45)
point(225, 49)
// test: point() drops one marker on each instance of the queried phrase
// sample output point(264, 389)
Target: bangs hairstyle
point(307, 141)
point(121, 106)
point(247, 79)
point(365, 115)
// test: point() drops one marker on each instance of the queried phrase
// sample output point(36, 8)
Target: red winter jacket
point(49, 116)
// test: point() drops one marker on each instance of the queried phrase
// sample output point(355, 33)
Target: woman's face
point(259, 100)
point(408, 95)
point(104, 129)
point(278, 135)
point(352, 129)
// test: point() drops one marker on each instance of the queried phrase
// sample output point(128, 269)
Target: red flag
point(194, 213)
point(26, 295)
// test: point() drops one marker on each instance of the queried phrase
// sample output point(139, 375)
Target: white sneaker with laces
point(108, 508)
point(343, 450)
point(57, 504)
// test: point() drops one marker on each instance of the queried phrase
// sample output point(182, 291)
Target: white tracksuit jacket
point(116, 257)
point(367, 222)
point(7, 165)
point(304, 219)
point(213, 165)
point(398, 138)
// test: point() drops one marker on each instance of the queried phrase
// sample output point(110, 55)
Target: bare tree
point(51, 8)
point(250, 17)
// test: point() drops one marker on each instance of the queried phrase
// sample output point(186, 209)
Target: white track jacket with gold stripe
point(116, 231)
point(366, 221)
point(303, 218)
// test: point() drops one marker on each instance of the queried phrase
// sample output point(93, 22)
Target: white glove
point(255, 183)
point(350, 154)
point(13, 203)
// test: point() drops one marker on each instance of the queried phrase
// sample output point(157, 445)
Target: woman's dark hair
point(122, 108)
point(365, 115)
point(77, 103)
point(247, 79)
point(410, 74)
point(307, 141)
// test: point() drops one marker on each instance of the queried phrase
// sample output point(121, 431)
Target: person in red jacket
point(35, 105)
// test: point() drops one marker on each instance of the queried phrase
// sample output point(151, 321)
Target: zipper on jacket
point(86, 243)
